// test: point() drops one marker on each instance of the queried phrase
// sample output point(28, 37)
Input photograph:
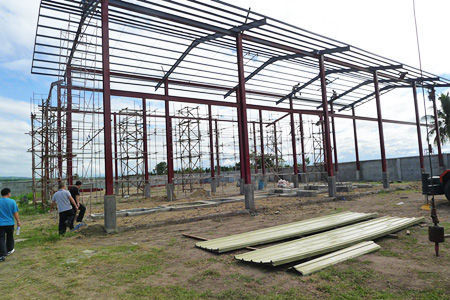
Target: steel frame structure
point(213, 50)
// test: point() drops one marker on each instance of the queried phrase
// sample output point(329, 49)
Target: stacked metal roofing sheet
point(327, 241)
point(333, 258)
point(283, 232)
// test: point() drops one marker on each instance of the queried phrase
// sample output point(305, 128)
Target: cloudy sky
point(384, 27)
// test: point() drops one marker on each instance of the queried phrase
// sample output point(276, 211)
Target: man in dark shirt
point(75, 193)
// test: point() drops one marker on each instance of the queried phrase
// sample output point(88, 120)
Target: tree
point(443, 120)
point(161, 168)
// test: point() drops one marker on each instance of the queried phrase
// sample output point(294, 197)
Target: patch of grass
point(41, 235)
point(388, 253)
point(242, 278)
point(166, 292)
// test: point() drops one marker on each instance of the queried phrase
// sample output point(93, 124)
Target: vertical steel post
point(294, 143)
point(261, 136)
point(110, 201)
point(333, 128)
point(302, 144)
point(241, 152)
point(419, 131)
point(59, 132)
point(116, 159)
point(323, 143)
point(380, 131)
point(217, 148)
point(145, 148)
point(69, 153)
point(169, 146)
point(211, 149)
point(275, 144)
point(326, 122)
point(248, 188)
point(436, 127)
point(254, 148)
point(355, 136)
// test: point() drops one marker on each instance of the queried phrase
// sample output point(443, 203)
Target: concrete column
point(358, 175)
point(249, 197)
point(170, 188)
point(147, 190)
point(110, 213)
point(241, 186)
point(213, 185)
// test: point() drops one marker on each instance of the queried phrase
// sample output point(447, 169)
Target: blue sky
point(392, 36)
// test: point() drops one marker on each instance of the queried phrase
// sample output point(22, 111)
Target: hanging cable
point(435, 232)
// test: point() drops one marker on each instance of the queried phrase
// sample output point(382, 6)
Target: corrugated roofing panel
point(328, 241)
point(282, 232)
point(333, 258)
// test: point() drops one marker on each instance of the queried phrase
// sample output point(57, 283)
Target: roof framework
point(194, 42)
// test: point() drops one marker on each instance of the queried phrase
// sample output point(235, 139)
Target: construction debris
point(336, 257)
point(282, 232)
point(328, 241)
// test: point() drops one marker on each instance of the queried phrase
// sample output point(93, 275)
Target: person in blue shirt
point(8, 212)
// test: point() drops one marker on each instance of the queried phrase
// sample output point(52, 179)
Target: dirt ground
point(159, 263)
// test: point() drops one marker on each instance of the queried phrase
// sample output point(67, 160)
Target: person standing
point(75, 193)
point(64, 202)
point(8, 212)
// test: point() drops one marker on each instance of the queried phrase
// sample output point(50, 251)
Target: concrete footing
point(331, 186)
point(385, 180)
point(170, 188)
point(110, 213)
point(249, 197)
point(303, 178)
point(295, 180)
point(358, 175)
point(241, 186)
point(213, 185)
point(147, 190)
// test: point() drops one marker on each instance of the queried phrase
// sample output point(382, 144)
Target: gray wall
point(402, 168)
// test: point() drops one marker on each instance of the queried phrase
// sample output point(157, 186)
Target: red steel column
point(211, 141)
point(302, 143)
point(261, 136)
point(275, 144)
point(69, 128)
point(254, 147)
point(326, 122)
point(419, 132)
point(211, 150)
point(380, 131)
point(59, 132)
point(145, 147)
point(116, 163)
point(333, 128)
point(294, 143)
point(145, 141)
point(217, 148)
point(110, 202)
point(355, 136)
point(249, 196)
point(169, 142)
point(436, 122)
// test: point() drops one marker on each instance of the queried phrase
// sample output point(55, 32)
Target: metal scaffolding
point(202, 53)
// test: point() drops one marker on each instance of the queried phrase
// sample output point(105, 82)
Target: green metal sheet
point(282, 232)
point(328, 241)
point(334, 258)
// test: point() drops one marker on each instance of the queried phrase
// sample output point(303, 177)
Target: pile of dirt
point(200, 193)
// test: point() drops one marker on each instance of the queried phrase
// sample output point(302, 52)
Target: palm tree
point(443, 120)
